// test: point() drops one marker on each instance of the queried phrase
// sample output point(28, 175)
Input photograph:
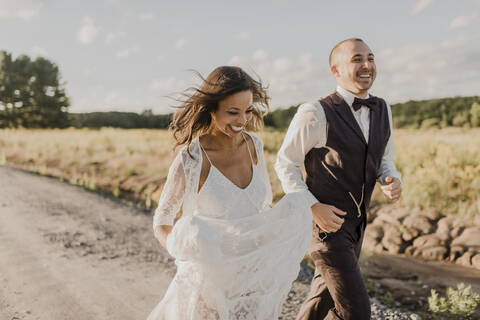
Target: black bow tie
point(370, 103)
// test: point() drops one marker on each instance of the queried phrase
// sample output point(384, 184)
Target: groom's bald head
point(338, 47)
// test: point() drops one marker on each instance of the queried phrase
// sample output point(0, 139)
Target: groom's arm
point(307, 130)
point(388, 175)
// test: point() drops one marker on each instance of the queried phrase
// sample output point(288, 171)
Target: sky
point(120, 55)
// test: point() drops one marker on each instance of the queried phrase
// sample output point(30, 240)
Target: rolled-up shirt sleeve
point(387, 165)
point(307, 130)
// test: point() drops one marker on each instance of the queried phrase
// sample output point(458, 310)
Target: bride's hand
point(326, 217)
point(161, 233)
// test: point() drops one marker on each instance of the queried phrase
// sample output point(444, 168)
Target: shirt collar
point(348, 96)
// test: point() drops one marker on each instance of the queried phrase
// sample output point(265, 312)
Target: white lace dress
point(236, 257)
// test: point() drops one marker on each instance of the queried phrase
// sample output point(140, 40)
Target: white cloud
point(39, 51)
point(290, 80)
point(100, 98)
point(260, 55)
point(463, 21)
point(420, 6)
point(23, 9)
point(114, 99)
point(167, 86)
point(88, 31)
point(113, 36)
point(235, 60)
point(112, 2)
point(144, 16)
point(243, 35)
point(88, 71)
point(180, 43)
point(128, 52)
point(459, 41)
point(414, 71)
point(427, 70)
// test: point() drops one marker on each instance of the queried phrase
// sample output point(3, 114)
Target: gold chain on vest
point(356, 203)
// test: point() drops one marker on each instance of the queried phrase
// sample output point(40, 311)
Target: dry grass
point(441, 168)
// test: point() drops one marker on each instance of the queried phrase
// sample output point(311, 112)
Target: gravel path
point(300, 290)
point(67, 253)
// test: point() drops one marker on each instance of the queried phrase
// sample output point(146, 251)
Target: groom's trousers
point(337, 290)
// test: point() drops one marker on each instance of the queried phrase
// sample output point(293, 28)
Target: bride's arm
point(170, 201)
point(262, 165)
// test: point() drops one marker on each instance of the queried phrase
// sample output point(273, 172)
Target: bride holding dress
point(236, 255)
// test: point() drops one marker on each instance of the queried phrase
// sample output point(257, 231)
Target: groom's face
point(353, 66)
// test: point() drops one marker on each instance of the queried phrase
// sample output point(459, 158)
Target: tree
point(475, 115)
point(31, 93)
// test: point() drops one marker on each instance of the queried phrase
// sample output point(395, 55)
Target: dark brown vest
point(337, 172)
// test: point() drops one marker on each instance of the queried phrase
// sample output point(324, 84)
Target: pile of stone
point(423, 234)
point(381, 312)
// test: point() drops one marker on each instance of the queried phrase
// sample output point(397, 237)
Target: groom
point(345, 142)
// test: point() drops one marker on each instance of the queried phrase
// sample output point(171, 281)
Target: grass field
point(441, 168)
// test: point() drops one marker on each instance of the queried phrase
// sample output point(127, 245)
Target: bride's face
point(233, 113)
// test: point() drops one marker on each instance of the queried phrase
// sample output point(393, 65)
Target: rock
point(410, 250)
point(455, 252)
point(476, 261)
point(409, 234)
point(380, 311)
point(417, 252)
point(470, 238)
point(426, 241)
point(370, 243)
point(431, 215)
point(435, 253)
point(445, 224)
point(430, 247)
point(378, 248)
point(392, 241)
point(455, 232)
point(401, 213)
point(374, 231)
point(466, 259)
point(421, 223)
point(444, 236)
point(387, 219)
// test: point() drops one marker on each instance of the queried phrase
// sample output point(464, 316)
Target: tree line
point(32, 95)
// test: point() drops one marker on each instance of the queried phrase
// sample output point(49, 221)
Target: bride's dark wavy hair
point(194, 116)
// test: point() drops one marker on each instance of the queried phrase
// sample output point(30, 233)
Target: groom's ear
point(334, 70)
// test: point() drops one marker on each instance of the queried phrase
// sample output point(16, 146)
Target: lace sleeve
point(262, 165)
point(172, 194)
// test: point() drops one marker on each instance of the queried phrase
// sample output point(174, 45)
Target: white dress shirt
point(308, 130)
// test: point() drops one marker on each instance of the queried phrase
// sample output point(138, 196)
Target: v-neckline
point(228, 179)
point(252, 164)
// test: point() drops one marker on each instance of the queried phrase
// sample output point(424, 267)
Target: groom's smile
point(353, 66)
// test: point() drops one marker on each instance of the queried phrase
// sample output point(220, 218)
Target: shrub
point(475, 115)
point(458, 304)
point(430, 123)
point(460, 120)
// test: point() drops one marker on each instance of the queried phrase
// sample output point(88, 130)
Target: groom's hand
point(392, 189)
point(326, 217)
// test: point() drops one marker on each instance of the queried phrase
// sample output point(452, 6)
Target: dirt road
point(67, 253)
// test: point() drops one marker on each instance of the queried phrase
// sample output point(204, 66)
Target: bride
point(236, 255)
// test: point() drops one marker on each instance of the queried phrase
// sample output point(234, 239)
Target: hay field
point(441, 168)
